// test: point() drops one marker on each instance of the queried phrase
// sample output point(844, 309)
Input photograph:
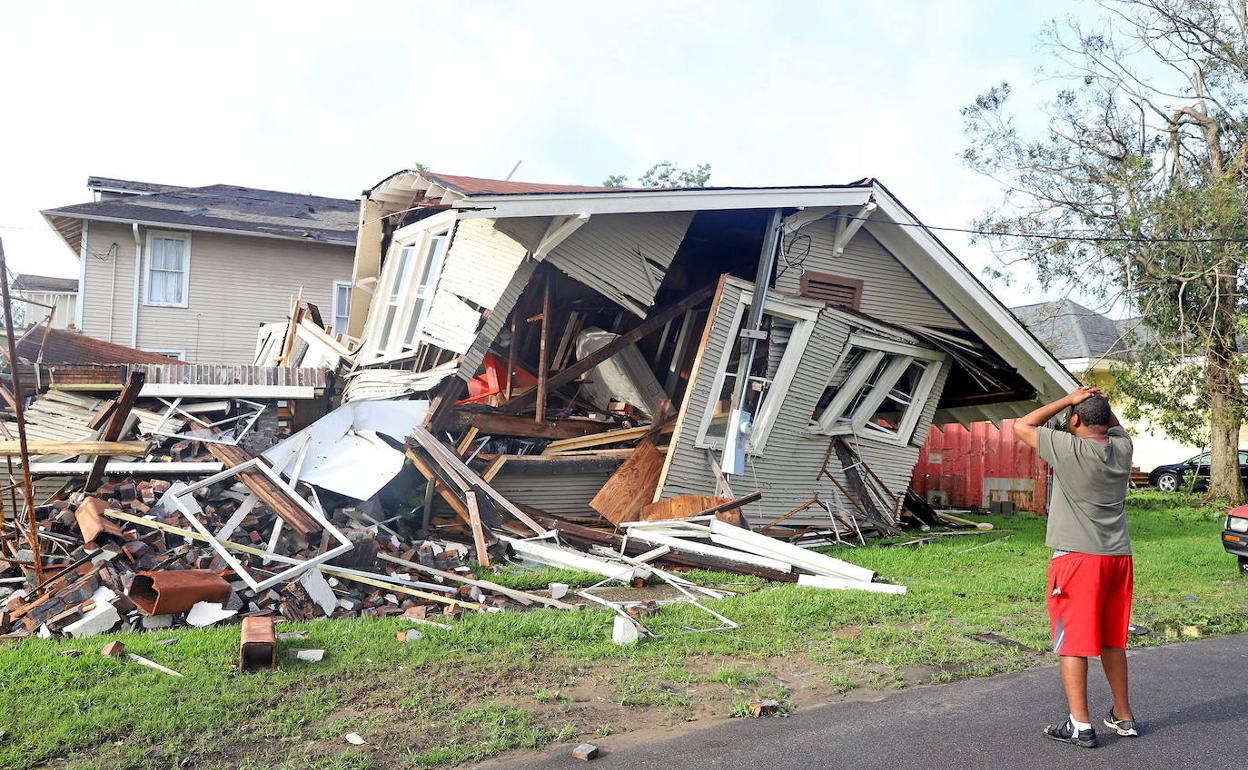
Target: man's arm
point(1025, 427)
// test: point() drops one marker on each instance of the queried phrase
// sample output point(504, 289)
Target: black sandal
point(1124, 727)
point(1066, 733)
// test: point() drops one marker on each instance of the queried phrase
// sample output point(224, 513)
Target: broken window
point(168, 268)
point(408, 283)
point(786, 328)
point(341, 306)
point(878, 389)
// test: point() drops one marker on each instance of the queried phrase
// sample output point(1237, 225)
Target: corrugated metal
point(498, 316)
point(786, 471)
point(566, 494)
point(963, 468)
point(623, 256)
point(889, 290)
point(480, 262)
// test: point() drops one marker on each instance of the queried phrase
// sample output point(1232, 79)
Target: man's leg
point(1075, 681)
point(1114, 661)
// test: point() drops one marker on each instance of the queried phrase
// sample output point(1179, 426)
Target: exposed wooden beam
point(116, 423)
point(496, 424)
point(75, 448)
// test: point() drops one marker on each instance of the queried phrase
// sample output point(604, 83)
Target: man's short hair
point(1093, 411)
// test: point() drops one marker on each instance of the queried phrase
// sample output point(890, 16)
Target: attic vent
point(832, 289)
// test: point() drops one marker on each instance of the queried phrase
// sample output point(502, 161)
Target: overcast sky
point(330, 98)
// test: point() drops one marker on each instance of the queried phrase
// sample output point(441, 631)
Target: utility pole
point(19, 412)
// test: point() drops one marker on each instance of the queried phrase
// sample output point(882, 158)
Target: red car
point(1235, 535)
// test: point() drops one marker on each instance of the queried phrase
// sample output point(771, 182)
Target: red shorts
point(1089, 602)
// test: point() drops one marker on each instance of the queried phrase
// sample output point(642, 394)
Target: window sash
point(167, 270)
point(850, 411)
point(775, 388)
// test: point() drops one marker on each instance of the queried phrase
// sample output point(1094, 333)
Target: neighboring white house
point(57, 297)
point(192, 272)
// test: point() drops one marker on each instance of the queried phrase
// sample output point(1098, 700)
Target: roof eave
point(639, 201)
point(51, 213)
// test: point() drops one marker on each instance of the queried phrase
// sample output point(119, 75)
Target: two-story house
point(192, 272)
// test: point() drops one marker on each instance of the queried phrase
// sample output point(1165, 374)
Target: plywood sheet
point(632, 486)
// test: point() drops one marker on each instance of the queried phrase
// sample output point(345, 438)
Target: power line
point(1042, 236)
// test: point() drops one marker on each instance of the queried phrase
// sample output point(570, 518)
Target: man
point(1090, 574)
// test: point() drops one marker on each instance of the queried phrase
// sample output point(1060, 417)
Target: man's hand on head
point(1083, 393)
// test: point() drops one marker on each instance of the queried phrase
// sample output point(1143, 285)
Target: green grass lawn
point(515, 680)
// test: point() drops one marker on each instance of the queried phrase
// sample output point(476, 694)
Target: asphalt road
point(1192, 700)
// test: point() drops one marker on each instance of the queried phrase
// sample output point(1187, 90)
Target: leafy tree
point(1135, 191)
point(666, 174)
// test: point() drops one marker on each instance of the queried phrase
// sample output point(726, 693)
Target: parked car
point(1235, 535)
point(1193, 473)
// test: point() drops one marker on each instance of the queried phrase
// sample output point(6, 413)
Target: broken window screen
point(166, 275)
point(890, 414)
point(881, 392)
point(786, 329)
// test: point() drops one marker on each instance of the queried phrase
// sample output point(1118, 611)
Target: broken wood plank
point(91, 448)
point(632, 486)
point(618, 436)
point(642, 330)
point(478, 534)
point(497, 424)
point(543, 365)
point(269, 493)
point(116, 423)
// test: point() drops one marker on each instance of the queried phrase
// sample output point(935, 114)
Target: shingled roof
point(1071, 331)
point(28, 282)
point(266, 213)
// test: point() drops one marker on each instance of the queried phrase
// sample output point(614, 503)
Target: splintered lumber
point(345, 574)
point(958, 520)
point(524, 597)
point(642, 330)
point(620, 435)
point(690, 506)
point(457, 505)
point(117, 419)
point(102, 448)
point(497, 424)
point(632, 486)
point(478, 534)
point(269, 493)
point(455, 465)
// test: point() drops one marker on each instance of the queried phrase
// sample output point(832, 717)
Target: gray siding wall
point(623, 256)
point(559, 494)
point(236, 284)
point(786, 470)
point(498, 316)
point(890, 292)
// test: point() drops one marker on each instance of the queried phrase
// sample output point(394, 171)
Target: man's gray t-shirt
point(1089, 491)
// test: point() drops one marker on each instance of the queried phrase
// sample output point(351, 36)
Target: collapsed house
point(604, 350)
point(617, 381)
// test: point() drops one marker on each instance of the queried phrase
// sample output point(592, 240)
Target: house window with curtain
point(168, 269)
point(341, 306)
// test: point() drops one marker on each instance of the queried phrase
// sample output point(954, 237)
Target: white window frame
point(804, 319)
point(903, 356)
point(418, 235)
point(334, 309)
point(178, 354)
point(186, 268)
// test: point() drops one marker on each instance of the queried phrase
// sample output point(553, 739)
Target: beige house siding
point(65, 303)
point(236, 284)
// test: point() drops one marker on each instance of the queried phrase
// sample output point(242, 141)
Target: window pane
point(851, 362)
point(403, 273)
point(768, 354)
